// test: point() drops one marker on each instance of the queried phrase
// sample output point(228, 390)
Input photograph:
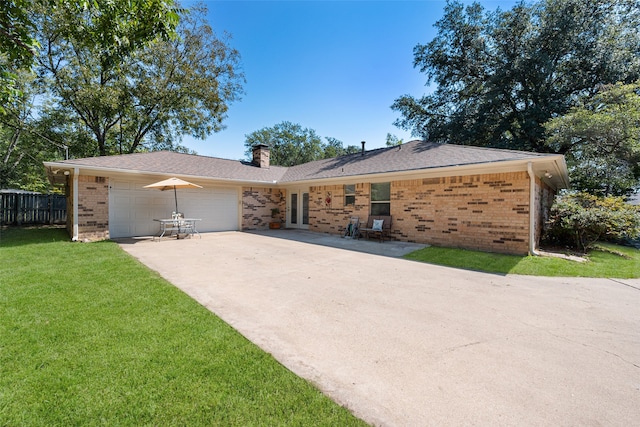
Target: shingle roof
point(414, 155)
point(168, 162)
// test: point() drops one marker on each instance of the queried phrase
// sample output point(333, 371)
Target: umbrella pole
point(175, 195)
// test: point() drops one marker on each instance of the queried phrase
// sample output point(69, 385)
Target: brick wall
point(328, 212)
point(257, 204)
point(93, 208)
point(484, 212)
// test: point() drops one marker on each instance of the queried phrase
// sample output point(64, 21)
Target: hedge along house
point(440, 194)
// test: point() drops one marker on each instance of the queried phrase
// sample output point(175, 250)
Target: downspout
point(76, 172)
point(532, 214)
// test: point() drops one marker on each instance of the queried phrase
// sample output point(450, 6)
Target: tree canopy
point(393, 141)
point(114, 28)
point(601, 140)
point(290, 144)
point(17, 47)
point(502, 75)
point(110, 79)
point(156, 94)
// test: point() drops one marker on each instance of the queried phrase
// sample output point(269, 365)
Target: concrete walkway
point(402, 343)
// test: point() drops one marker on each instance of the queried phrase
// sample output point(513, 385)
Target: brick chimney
point(261, 156)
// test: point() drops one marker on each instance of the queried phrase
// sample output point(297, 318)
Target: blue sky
point(332, 66)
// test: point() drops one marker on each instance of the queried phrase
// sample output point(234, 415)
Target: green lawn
point(89, 336)
point(606, 260)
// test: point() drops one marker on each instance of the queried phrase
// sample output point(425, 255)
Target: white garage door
point(133, 208)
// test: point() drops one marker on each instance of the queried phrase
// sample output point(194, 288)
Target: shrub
point(578, 220)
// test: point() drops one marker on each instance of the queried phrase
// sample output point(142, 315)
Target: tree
point(393, 140)
point(335, 148)
point(117, 28)
point(578, 220)
point(17, 47)
point(158, 92)
point(290, 144)
point(500, 76)
point(114, 28)
point(601, 141)
point(27, 138)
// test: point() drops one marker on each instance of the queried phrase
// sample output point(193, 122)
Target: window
point(350, 194)
point(305, 208)
point(294, 208)
point(381, 198)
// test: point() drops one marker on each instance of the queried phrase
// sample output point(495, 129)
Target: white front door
point(298, 209)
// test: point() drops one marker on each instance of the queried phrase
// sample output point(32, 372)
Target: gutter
point(532, 217)
point(76, 172)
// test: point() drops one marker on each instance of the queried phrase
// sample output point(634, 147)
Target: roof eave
point(452, 170)
point(554, 161)
point(102, 169)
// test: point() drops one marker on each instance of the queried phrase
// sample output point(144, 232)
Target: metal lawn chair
point(353, 228)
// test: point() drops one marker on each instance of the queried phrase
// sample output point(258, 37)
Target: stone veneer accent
point(484, 212)
point(93, 208)
point(257, 204)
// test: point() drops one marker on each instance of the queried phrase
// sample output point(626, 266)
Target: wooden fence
point(24, 209)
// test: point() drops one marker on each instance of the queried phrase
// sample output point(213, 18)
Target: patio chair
point(169, 227)
point(353, 228)
point(184, 226)
point(378, 226)
point(174, 226)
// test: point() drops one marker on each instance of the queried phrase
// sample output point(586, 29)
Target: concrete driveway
point(402, 343)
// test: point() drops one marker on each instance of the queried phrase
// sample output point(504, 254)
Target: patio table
point(186, 226)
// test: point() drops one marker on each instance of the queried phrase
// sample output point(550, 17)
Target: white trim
point(76, 173)
point(240, 208)
point(532, 210)
point(299, 191)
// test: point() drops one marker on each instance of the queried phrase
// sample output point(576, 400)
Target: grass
point(605, 260)
point(89, 336)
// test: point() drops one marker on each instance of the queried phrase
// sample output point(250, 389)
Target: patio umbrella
point(172, 183)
